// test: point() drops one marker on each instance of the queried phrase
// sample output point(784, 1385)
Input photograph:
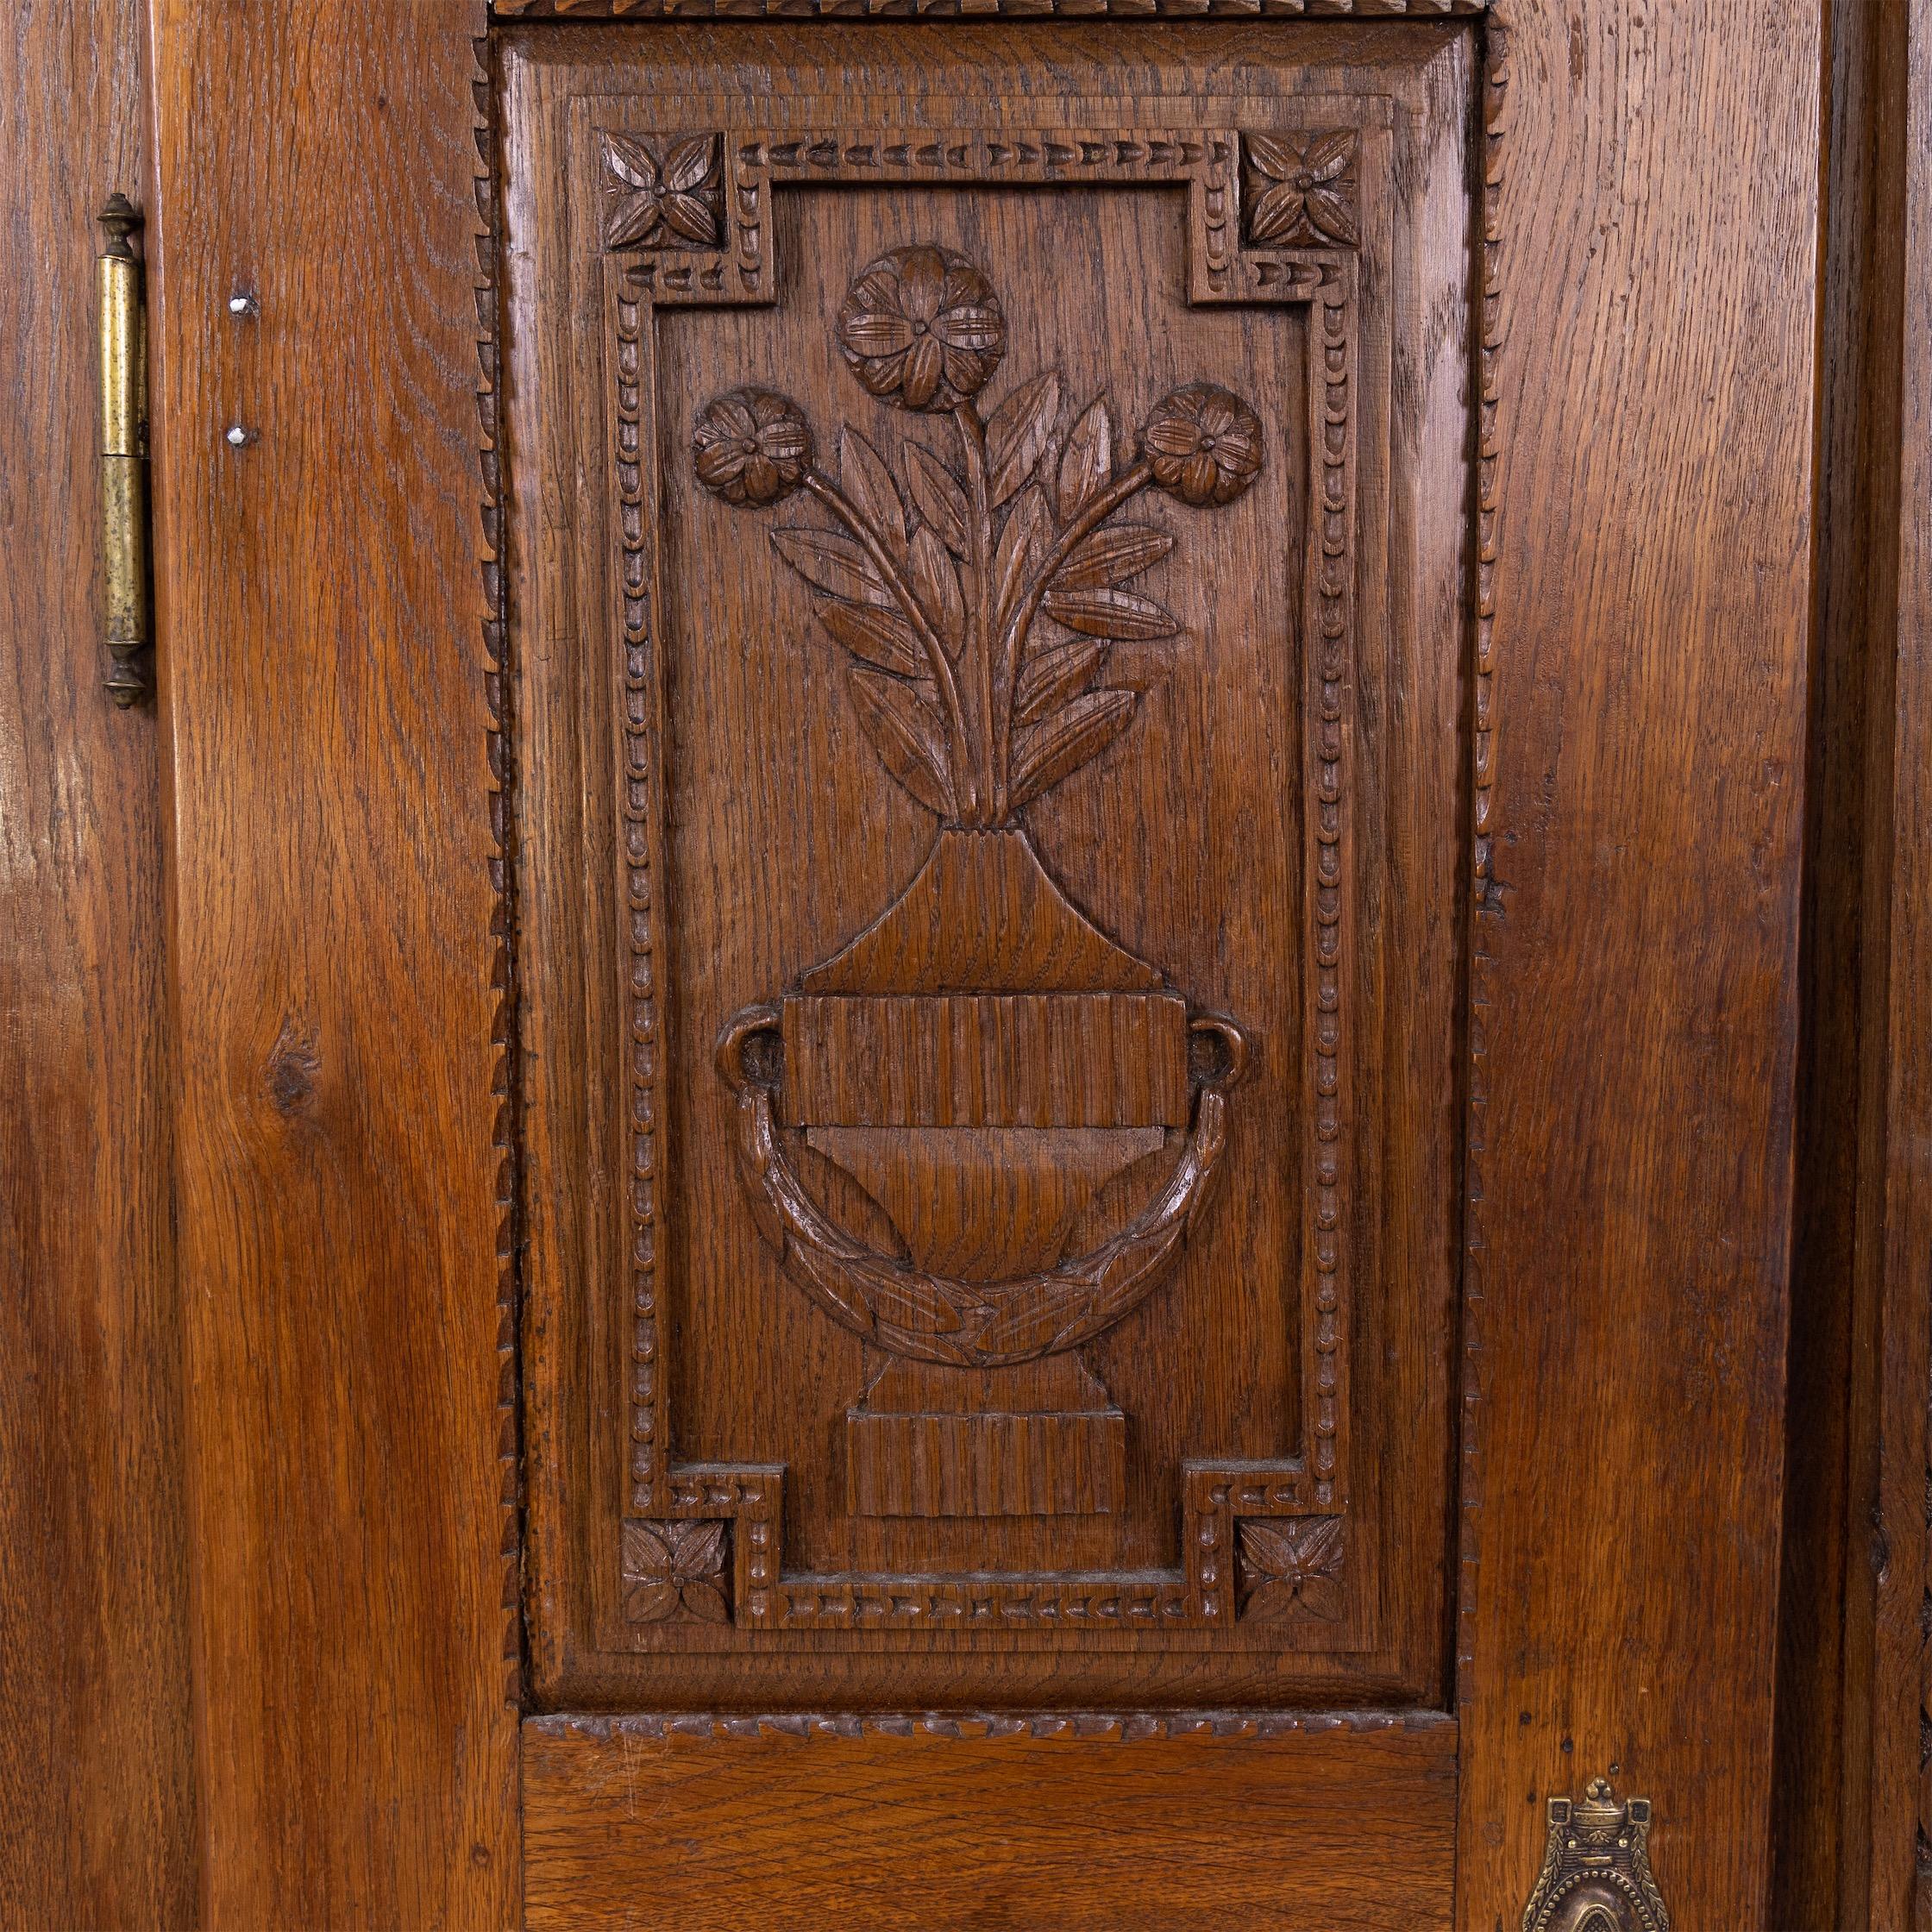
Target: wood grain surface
point(1085, 1823)
point(97, 1810)
point(325, 679)
point(1847, 1785)
point(1651, 255)
point(1888, 1693)
point(712, 823)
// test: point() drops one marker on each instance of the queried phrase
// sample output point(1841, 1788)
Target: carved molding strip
point(1087, 1727)
point(982, 9)
point(1218, 1500)
point(678, 270)
point(505, 1137)
point(1596, 1875)
point(1486, 890)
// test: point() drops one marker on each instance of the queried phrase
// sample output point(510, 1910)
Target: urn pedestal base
point(1043, 1439)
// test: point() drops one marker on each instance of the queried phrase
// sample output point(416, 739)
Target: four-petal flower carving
point(1289, 1566)
point(661, 200)
point(672, 1569)
point(1302, 192)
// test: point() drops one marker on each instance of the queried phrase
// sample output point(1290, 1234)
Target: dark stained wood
point(1647, 434)
point(97, 1810)
point(1845, 1779)
point(1088, 1823)
point(1888, 1692)
point(325, 676)
point(992, 1110)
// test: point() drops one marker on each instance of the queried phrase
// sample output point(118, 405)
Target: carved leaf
point(1032, 1321)
point(1024, 541)
point(879, 635)
point(1110, 613)
point(868, 482)
point(631, 162)
point(697, 1549)
point(705, 1599)
point(916, 1305)
point(1087, 468)
point(1043, 756)
point(1018, 434)
point(938, 497)
point(1053, 676)
point(937, 581)
point(907, 733)
point(1111, 556)
point(689, 164)
point(834, 563)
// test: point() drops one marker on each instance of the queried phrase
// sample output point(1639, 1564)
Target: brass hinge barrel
point(124, 561)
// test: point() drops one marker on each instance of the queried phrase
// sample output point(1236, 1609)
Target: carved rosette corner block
point(1299, 189)
point(676, 1571)
point(1596, 1875)
point(1289, 1567)
point(982, 1060)
point(666, 194)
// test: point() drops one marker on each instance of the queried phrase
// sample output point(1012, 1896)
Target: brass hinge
point(124, 564)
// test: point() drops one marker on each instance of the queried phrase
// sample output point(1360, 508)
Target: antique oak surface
point(1157, 1289)
point(989, 927)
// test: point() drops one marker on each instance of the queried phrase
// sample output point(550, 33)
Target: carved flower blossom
point(674, 1569)
point(1306, 195)
point(751, 446)
point(1203, 444)
point(657, 201)
point(922, 326)
point(1289, 1567)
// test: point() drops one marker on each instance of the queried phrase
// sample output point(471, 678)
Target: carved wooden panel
point(987, 701)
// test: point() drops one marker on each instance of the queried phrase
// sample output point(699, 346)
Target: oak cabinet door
point(1012, 1141)
point(990, 687)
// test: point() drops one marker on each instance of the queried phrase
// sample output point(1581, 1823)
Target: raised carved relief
point(1289, 1567)
point(1596, 1875)
point(664, 195)
point(675, 1569)
point(982, 1059)
point(981, 1094)
point(1301, 189)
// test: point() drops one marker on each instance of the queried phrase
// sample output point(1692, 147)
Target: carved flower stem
point(1123, 489)
point(972, 437)
point(958, 744)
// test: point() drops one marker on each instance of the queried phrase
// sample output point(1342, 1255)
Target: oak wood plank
point(1082, 1824)
point(97, 1807)
point(325, 671)
point(1647, 431)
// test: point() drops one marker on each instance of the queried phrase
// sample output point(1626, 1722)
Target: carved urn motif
point(982, 1060)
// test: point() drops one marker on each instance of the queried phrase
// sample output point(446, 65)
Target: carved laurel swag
point(927, 1317)
point(979, 598)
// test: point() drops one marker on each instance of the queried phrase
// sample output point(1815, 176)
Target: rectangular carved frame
point(1281, 1555)
point(751, 164)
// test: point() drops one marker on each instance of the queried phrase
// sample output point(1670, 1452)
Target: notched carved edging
point(1486, 892)
point(983, 10)
point(1080, 1727)
point(1596, 1875)
point(505, 1135)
